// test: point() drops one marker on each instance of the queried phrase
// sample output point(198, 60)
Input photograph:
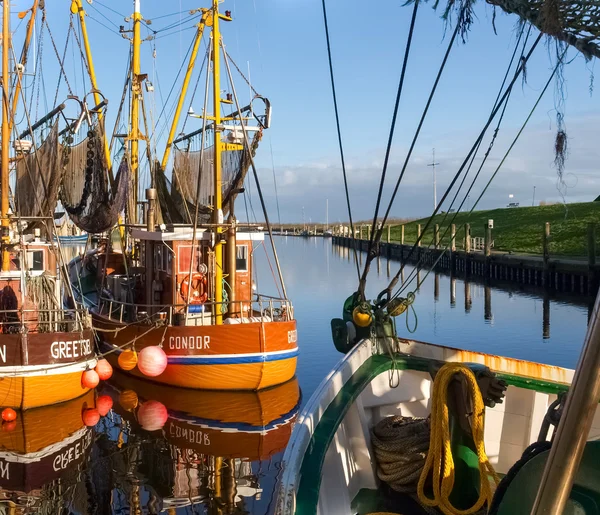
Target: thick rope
point(440, 462)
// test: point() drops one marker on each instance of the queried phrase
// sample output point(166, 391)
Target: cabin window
point(168, 261)
point(241, 258)
point(158, 260)
point(35, 260)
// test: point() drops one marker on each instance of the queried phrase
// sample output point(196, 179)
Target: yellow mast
point(218, 207)
point(5, 134)
point(77, 8)
point(19, 70)
point(136, 91)
point(184, 87)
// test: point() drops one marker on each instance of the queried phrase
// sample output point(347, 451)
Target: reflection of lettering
point(71, 349)
point(62, 460)
point(191, 435)
point(4, 473)
point(3, 353)
point(189, 342)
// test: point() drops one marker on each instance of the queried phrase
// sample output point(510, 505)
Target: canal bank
point(571, 275)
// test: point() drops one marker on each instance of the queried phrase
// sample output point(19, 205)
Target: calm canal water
point(220, 453)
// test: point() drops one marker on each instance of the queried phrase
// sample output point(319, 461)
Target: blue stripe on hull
point(223, 360)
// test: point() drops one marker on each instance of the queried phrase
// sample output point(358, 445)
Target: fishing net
point(38, 179)
point(86, 194)
point(177, 197)
point(574, 22)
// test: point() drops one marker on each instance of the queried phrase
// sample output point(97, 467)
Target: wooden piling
point(453, 237)
point(389, 231)
point(546, 254)
point(467, 238)
point(419, 235)
point(436, 236)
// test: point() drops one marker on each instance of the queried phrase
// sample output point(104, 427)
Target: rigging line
point(171, 14)
point(339, 135)
point(60, 62)
point(242, 74)
point(255, 173)
point(103, 24)
point(195, 89)
point(524, 60)
point(275, 181)
point(177, 24)
point(104, 16)
point(503, 159)
point(110, 9)
point(177, 32)
point(388, 149)
point(495, 134)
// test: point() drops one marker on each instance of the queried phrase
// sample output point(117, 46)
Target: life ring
point(199, 294)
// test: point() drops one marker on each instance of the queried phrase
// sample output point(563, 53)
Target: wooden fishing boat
point(44, 347)
point(184, 286)
point(201, 439)
point(42, 449)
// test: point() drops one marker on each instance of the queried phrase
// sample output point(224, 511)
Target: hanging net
point(38, 179)
point(86, 194)
point(177, 197)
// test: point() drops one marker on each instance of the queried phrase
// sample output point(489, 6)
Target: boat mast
point(134, 135)
point(5, 134)
point(218, 147)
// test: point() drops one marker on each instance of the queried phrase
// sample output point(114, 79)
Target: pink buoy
point(104, 369)
point(152, 415)
point(90, 379)
point(103, 404)
point(152, 361)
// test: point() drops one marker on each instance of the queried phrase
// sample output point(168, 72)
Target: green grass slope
point(517, 229)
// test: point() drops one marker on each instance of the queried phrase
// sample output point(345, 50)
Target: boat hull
point(249, 356)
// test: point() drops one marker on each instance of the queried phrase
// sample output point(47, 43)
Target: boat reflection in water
point(174, 448)
point(43, 458)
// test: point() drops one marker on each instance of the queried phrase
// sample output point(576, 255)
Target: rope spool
point(440, 462)
point(400, 445)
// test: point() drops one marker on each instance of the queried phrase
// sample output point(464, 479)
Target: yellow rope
point(439, 458)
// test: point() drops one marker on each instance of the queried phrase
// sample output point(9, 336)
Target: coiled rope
point(439, 460)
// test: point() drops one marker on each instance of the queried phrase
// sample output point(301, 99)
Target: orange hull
point(248, 356)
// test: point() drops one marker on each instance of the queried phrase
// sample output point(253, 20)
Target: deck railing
point(262, 307)
point(43, 320)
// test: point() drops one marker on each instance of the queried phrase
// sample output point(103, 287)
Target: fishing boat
point(406, 427)
point(42, 456)
point(45, 347)
point(181, 293)
point(197, 448)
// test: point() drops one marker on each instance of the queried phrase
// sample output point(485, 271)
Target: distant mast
point(327, 214)
point(433, 164)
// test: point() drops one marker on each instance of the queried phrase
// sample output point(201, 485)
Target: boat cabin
point(176, 269)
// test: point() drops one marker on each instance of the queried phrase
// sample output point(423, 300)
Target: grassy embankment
point(517, 229)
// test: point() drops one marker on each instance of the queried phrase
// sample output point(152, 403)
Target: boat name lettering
point(4, 470)
point(62, 460)
point(191, 435)
point(189, 342)
point(292, 336)
point(71, 349)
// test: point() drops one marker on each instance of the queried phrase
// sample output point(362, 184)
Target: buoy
point(128, 400)
point(152, 415)
point(90, 379)
point(362, 315)
point(90, 417)
point(152, 361)
point(128, 359)
point(103, 404)
point(103, 369)
point(9, 426)
point(9, 414)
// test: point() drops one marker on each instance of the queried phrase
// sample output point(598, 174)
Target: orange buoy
point(103, 404)
point(103, 369)
point(152, 415)
point(90, 379)
point(152, 361)
point(9, 426)
point(128, 400)
point(9, 414)
point(128, 359)
point(90, 417)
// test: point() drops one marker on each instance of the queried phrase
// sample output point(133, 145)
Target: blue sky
point(284, 42)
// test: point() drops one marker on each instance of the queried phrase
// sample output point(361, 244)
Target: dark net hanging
point(86, 194)
point(38, 179)
point(177, 197)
